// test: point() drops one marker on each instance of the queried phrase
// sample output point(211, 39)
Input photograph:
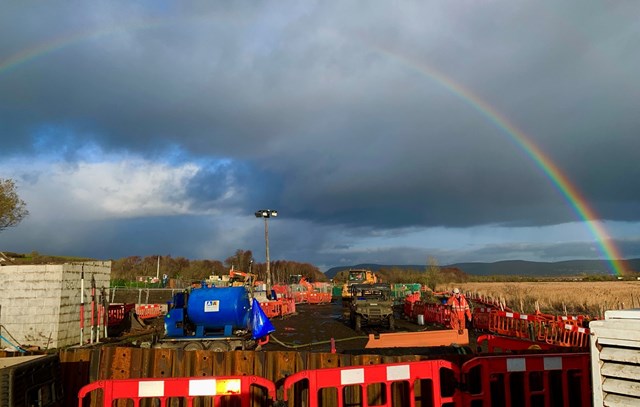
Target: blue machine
point(214, 312)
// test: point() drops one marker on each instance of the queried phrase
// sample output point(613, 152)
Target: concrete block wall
point(40, 304)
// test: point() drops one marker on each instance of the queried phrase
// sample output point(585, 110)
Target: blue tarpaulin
point(260, 324)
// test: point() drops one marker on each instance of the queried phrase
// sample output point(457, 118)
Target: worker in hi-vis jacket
point(459, 308)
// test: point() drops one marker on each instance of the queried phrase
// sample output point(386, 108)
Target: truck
point(371, 304)
point(215, 318)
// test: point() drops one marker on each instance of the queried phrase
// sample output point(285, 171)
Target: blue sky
point(161, 127)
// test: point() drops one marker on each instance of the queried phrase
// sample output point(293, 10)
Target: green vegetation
point(37, 258)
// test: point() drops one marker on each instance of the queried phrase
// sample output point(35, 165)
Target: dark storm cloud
point(325, 124)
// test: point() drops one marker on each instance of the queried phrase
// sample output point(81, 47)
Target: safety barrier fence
point(278, 308)
point(492, 343)
point(409, 302)
point(561, 331)
point(558, 331)
point(316, 297)
point(307, 293)
point(117, 313)
point(528, 380)
point(523, 380)
point(147, 311)
point(235, 390)
point(428, 382)
point(433, 313)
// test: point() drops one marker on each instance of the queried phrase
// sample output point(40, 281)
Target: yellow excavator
point(357, 276)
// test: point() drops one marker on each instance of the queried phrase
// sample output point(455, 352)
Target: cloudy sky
point(382, 132)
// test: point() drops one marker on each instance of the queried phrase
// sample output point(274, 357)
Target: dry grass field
point(574, 298)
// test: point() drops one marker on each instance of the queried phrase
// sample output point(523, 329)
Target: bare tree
point(12, 209)
point(433, 276)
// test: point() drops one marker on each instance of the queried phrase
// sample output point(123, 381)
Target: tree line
point(181, 268)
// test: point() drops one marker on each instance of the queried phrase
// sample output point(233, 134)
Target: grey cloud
point(329, 110)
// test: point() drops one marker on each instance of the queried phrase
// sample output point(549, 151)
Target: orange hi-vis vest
point(459, 305)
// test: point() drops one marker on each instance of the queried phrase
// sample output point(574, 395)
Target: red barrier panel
point(148, 311)
point(504, 344)
point(184, 388)
point(481, 318)
point(431, 382)
point(117, 312)
point(409, 301)
point(557, 331)
point(527, 380)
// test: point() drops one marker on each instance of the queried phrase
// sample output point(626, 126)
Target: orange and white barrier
point(185, 388)
point(146, 311)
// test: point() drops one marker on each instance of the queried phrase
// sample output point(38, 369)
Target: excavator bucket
point(418, 339)
point(135, 323)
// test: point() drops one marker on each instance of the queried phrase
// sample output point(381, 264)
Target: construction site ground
point(312, 327)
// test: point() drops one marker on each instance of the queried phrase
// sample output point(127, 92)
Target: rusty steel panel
point(162, 363)
point(75, 365)
point(202, 363)
point(322, 360)
point(117, 362)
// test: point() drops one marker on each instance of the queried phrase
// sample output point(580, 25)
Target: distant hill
point(509, 267)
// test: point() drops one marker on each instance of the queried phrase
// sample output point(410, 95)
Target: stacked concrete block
point(40, 304)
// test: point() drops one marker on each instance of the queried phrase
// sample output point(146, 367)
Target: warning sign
point(212, 306)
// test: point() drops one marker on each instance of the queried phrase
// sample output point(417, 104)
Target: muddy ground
point(313, 326)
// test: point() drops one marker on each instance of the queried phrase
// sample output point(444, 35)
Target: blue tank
point(219, 308)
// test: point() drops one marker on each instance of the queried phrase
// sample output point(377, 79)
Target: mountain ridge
point(508, 267)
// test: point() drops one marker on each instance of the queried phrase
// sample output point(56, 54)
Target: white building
point(40, 304)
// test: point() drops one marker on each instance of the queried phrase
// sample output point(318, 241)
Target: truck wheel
point(392, 323)
point(193, 346)
point(358, 323)
point(218, 346)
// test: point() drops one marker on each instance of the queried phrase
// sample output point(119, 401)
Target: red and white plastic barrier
point(183, 388)
point(528, 380)
point(379, 383)
point(522, 380)
point(146, 311)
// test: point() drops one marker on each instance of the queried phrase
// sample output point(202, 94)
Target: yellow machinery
point(357, 276)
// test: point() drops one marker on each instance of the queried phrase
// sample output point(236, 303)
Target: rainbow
point(560, 181)
point(46, 48)
point(58, 43)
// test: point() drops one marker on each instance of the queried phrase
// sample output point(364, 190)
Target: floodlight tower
point(266, 214)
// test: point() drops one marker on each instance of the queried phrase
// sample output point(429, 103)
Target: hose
point(291, 346)
point(18, 347)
